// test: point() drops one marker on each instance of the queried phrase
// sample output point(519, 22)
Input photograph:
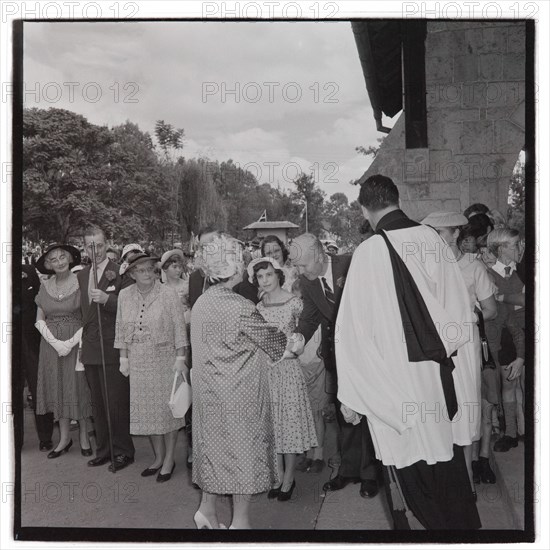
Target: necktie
point(328, 292)
point(507, 270)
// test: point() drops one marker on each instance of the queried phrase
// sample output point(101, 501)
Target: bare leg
point(84, 439)
point(207, 509)
point(158, 447)
point(170, 440)
point(241, 505)
point(280, 470)
point(64, 427)
point(290, 466)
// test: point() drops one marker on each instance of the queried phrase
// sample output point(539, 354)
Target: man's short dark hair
point(378, 192)
point(92, 230)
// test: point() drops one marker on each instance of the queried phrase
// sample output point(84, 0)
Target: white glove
point(350, 415)
point(296, 343)
point(124, 366)
point(75, 339)
point(61, 348)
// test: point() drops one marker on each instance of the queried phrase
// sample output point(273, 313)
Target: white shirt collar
point(499, 268)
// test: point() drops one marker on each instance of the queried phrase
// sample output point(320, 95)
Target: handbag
point(490, 375)
point(180, 398)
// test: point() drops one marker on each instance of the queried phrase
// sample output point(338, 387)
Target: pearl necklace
point(67, 289)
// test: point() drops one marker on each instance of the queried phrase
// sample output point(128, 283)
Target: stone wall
point(475, 83)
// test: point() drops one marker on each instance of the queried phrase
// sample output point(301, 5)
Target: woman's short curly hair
point(265, 265)
point(274, 239)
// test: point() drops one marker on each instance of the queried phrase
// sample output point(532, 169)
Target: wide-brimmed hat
point(169, 253)
point(250, 267)
point(74, 252)
point(131, 247)
point(136, 260)
point(445, 219)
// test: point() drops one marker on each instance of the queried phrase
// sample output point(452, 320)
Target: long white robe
point(404, 401)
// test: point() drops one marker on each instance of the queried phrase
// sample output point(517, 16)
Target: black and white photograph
point(271, 272)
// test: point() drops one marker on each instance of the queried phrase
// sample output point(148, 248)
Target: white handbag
point(181, 398)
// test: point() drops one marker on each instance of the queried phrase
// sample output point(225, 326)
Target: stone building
point(460, 89)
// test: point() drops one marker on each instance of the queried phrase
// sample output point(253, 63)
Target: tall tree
point(310, 195)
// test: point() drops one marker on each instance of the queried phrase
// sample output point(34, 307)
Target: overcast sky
point(299, 97)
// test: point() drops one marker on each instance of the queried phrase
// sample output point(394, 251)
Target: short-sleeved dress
point(292, 416)
point(60, 389)
point(151, 362)
point(233, 440)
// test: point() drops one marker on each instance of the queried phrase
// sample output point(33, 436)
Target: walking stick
point(101, 345)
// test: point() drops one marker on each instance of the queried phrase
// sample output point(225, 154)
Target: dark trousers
point(439, 495)
point(119, 410)
point(29, 363)
point(358, 458)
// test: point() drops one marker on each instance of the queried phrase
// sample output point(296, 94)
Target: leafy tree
point(67, 175)
point(169, 138)
point(345, 221)
point(516, 198)
point(307, 193)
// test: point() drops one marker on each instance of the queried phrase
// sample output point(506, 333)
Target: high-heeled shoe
point(285, 495)
point(55, 454)
point(150, 471)
point(274, 493)
point(202, 522)
point(161, 478)
point(86, 452)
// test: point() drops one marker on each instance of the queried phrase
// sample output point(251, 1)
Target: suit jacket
point(30, 285)
point(110, 282)
point(317, 310)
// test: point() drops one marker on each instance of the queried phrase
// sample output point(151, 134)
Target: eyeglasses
point(144, 270)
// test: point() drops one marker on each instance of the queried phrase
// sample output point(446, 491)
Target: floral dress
point(292, 417)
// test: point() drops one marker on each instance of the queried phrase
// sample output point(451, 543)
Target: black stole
point(422, 339)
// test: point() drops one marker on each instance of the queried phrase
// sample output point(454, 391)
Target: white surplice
point(404, 401)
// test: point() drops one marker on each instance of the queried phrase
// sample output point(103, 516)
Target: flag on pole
point(263, 217)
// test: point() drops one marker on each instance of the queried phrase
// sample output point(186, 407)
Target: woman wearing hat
point(61, 389)
point(153, 343)
point(233, 441)
point(455, 228)
point(292, 416)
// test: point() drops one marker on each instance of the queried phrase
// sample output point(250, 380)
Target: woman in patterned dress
point(233, 441)
point(292, 416)
point(153, 343)
point(60, 388)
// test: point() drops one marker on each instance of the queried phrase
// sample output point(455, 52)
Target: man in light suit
point(322, 280)
point(106, 294)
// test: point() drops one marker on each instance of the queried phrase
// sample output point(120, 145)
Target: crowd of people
point(425, 320)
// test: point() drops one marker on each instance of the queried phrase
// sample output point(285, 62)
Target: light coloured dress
point(151, 328)
point(60, 389)
point(292, 416)
point(233, 440)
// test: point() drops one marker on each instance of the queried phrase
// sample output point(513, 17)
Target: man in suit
point(118, 387)
point(322, 280)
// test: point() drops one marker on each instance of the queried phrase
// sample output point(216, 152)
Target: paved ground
point(66, 493)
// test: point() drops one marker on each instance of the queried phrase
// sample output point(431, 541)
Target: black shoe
point(45, 446)
point(55, 454)
point(285, 495)
point(274, 493)
point(150, 471)
point(504, 444)
point(316, 467)
point(476, 471)
point(369, 488)
point(161, 478)
point(98, 461)
point(487, 475)
point(304, 464)
point(121, 461)
point(86, 452)
point(339, 482)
